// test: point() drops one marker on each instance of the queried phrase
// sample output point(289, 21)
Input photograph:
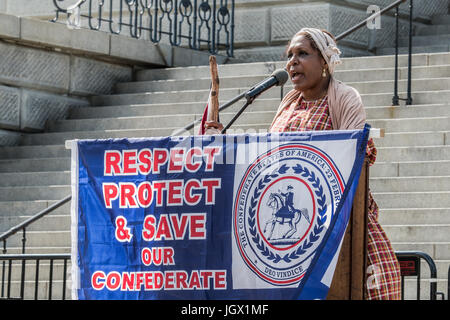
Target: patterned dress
point(383, 271)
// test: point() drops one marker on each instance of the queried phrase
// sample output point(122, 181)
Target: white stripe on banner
point(75, 273)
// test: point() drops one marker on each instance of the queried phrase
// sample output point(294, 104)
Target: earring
point(324, 73)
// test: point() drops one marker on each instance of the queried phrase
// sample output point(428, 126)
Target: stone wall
point(263, 27)
point(46, 68)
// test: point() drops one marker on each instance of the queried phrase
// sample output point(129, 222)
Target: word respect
point(166, 192)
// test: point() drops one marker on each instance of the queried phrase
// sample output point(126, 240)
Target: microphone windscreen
point(281, 75)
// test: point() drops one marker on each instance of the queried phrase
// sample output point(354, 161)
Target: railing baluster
point(3, 269)
point(409, 97)
point(50, 281)
point(171, 16)
point(9, 279)
point(36, 279)
point(64, 280)
point(395, 99)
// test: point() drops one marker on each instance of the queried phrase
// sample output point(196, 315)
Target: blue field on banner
point(251, 216)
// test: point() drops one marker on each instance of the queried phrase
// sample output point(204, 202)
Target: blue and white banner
point(251, 216)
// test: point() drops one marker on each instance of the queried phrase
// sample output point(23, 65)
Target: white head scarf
point(327, 46)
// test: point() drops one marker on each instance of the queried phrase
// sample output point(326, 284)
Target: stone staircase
point(434, 37)
point(410, 180)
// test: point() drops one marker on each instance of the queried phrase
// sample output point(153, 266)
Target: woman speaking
point(320, 102)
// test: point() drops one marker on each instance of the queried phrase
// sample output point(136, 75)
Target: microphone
point(278, 78)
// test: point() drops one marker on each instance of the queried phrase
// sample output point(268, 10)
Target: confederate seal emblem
point(284, 204)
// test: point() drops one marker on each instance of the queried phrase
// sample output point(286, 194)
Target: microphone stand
point(247, 103)
point(223, 107)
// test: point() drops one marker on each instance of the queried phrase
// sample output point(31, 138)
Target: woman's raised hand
point(213, 127)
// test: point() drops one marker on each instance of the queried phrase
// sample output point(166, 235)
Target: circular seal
point(284, 203)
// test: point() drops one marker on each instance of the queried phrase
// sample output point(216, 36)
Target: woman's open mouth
point(296, 76)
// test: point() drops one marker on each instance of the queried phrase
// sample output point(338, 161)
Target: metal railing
point(197, 24)
point(23, 258)
point(395, 5)
point(410, 265)
point(8, 284)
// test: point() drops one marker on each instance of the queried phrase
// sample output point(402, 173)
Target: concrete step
point(440, 29)
point(425, 153)
point(436, 250)
point(34, 193)
point(413, 184)
point(410, 289)
point(35, 165)
point(373, 112)
point(139, 110)
point(441, 19)
point(249, 118)
point(44, 270)
point(30, 208)
point(407, 111)
point(61, 137)
point(417, 233)
point(402, 139)
point(266, 68)
point(436, 48)
point(43, 290)
point(59, 238)
point(196, 96)
point(249, 81)
point(162, 121)
point(404, 199)
point(51, 222)
point(410, 168)
point(17, 179)
point(50, 151)
point(426, 40)
point(413, 216)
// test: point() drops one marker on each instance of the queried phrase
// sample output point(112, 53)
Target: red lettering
point(174, 192)
point(169, 280)
point(210, 153)
point(159, 158)
point(112, 161)
point(159, 186)
point(148, 231)
point(220, 280)
point(206, 275)
point(197, 227)
point(188, 197)
point(191, 165)
point(127, 281)
point(127, 195)
point(194, 281)
point(145, 194)
point(113, 280)
point(176, 160)
point(139, 280)
point(168, 256)
point(96, 277)
point(163, 229)
point(179, 228)
point(210, 185)
point(110, 193)
point(148, 281)
point(181, 277)
point(129, 162)
point(158, 280)
point(145, 160)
